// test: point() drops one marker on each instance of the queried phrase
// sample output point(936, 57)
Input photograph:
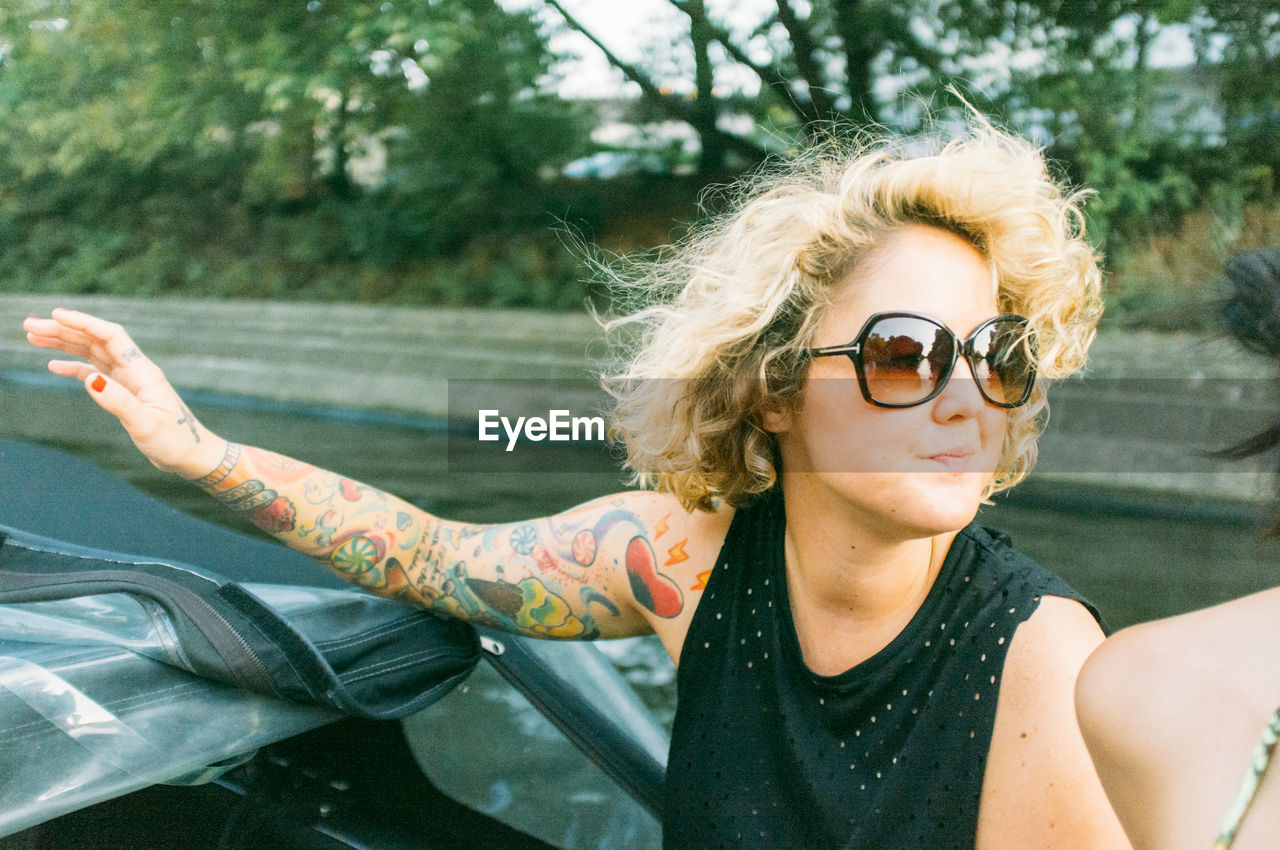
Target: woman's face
point(908, 472)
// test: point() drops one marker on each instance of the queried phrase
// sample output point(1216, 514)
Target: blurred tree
point(1092, 98)
point(1243, 36)
point(1161, 140)
point(1077, 75)
point(144, 143)
point(327, 147)
point(847, 61)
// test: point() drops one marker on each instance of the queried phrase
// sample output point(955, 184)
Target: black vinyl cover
point(62, 525)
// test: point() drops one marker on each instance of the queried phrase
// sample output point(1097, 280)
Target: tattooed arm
point(618, 566)
point(551, 577)
point(607, 568)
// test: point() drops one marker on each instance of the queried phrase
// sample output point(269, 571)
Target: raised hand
point(126, 384)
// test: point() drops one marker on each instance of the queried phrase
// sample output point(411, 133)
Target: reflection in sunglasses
point(894, 370)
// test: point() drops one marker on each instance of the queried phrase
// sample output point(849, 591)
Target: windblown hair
point(719, 324)
point(1251, 314)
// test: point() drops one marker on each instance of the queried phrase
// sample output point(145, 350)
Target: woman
point(859, 665)
point(1181, 715)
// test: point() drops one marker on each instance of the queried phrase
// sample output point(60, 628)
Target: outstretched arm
point(610, 568)
point(556, 577)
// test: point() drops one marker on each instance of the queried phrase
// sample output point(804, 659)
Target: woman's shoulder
point(1178, 704)
point(1040, 787)
point(1223, 653)
point(990, 559)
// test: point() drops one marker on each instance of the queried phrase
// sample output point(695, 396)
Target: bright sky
point(632, 29)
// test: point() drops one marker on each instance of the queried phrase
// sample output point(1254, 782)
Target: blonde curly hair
point(716, 327)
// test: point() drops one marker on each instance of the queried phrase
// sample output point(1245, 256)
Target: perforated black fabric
point(889, 754)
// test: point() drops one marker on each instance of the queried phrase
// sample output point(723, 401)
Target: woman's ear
point(777, 420)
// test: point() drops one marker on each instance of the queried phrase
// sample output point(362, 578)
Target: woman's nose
point(960, 398)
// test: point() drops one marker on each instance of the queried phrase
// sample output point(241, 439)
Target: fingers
point(100, 334)
point(46, 333)
point(105, 343)
point(72, 369)
point(137, 418)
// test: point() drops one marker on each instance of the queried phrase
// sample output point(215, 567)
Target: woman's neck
point(853, 589)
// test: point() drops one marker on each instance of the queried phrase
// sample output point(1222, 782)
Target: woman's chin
point(907, 504)
point(937, 503)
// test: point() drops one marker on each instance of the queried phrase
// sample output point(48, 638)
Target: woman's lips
point(952, 459)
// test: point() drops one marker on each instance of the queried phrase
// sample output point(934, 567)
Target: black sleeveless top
point(889, 754)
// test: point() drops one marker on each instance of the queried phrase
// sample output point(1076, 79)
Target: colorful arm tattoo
point(559, 577)
point(552, 577)
point(354, 530)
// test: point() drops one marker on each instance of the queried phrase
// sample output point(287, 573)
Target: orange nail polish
point(99, 384)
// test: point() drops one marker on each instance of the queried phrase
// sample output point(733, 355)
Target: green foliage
point(234, 147)
point(407, 150)
point(1135, 205)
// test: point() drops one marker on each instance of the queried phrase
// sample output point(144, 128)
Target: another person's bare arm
point(1172, 711)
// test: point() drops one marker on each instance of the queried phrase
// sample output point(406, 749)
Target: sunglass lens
point(1003, 361)
point(904, 358)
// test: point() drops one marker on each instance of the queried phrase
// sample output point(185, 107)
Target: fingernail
point(99, 384)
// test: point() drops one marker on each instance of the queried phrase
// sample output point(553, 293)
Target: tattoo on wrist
point(248, 496)
point(229, 460)
point(266, 508)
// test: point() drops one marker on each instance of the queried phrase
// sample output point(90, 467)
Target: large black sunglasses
point(906, 359)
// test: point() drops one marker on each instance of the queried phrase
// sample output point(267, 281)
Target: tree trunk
point(859, 51)
point(673, 107)
point(804, 52)
point(1141, 75)
point(776, 81)
point(711, 159)
point(340, 180)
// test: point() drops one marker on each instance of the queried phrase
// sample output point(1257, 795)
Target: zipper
point(163, 625)
point(185, 600)
point(622, 759)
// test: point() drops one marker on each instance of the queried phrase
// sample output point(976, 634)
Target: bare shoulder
point(1135, 689)
point(1040, 788)
point(1054, 642)
point(1044, 660)
point(1171, 710)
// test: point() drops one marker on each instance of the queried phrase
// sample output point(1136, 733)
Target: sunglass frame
point(959, 348)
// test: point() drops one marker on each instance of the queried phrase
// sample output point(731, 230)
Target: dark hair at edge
point(1251, 314)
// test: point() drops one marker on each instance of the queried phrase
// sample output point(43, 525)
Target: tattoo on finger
point(131, 355)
